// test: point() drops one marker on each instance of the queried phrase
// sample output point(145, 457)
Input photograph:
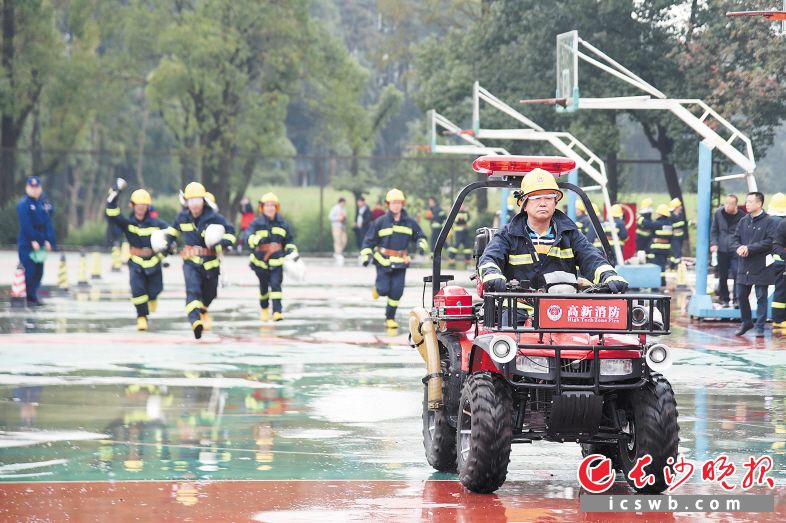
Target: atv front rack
point(582, 313)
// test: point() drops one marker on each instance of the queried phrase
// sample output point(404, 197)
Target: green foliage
point(89, 234)
point(9, 224)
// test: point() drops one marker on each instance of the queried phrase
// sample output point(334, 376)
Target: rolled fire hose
point(424, 336)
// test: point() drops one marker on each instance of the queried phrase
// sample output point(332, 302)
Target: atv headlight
point(532, 364)
point(616, 367)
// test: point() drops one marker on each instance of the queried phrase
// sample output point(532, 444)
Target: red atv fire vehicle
point(580, 368)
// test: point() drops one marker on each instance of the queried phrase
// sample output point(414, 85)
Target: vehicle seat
point(483, 237)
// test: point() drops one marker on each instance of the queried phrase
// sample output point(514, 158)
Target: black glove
point(617, 286)
point(495, 285)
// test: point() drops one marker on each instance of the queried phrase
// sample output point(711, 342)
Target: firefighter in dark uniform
point(777, 212)
point(200, 253)
point(436, 217)
point(583, 223)
point(542, 245)
point(619, 226)
point(462, 243)
point(644, 225)
point(270, 239)
point(387, 241)
point(678, 225)
point(36, 236)
point(144, 265)
point(660, 247)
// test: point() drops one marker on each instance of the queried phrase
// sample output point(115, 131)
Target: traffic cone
point(19, 288)
point(96, 273)
point(83, 271)
point(117, 262)
point(125, 252)
point(62, 275)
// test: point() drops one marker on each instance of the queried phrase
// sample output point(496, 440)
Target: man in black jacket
point(724, 223)
point(753, 243)
point(362, 221)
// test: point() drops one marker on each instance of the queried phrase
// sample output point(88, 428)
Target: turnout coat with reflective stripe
point(511, 255)
point(137, 232)
point(192, 232)
point(387, 233)
point(262, 230)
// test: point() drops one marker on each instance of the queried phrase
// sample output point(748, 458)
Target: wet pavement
point(316, 417)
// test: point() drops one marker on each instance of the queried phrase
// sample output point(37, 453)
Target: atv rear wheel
point(484, 432)
point(651, 421)
point(439, 437)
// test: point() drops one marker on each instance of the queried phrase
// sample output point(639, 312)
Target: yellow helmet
point(539, 180)
point(646, 203)
point(141, 197)
point(210, 196)
point(674, 204)
point(270, 197)
point(194, 190)
point(777, 205)
point(597, 210)
point(662, 210)
point(616, 211)
point(395, 195)
point(580, 206)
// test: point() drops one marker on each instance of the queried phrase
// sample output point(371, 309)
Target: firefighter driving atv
point(543, 246)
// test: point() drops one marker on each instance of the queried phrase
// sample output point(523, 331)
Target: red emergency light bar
point(511, 165)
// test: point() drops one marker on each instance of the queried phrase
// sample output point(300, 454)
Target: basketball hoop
point(460, 132)
point(775, 16)
point(562, 102)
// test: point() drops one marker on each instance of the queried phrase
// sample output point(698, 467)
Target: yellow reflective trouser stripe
point(600, 270)
point(230, 237)
point(520, 259)
point(661, 246)
point(139, 300)
point(141, 231)
point(678, 224)
point(279, 230)
point(196, 304)
point(264, 296)
point(402, 229)
point(366, 251)
point(276, 295)
point(276, 262)
point(259, 263)
point(393, 303)
point(212, 264)
point(172, 231)
point(385, 232)
point(381, 259)
point(187, 227)
point(436, 225)
point(664, 233)
point(778, 305)
point(641, 232)
point(452, 249)
point(113, 212)
point(152, 262)
point(492, 276)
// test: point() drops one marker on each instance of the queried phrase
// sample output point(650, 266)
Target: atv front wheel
point(484, 432)
point(651, 423)
point(439, 437)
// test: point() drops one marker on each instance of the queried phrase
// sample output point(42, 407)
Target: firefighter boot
point(277, 316)
point(264, 315)
point(207, 322)
point(141, 323)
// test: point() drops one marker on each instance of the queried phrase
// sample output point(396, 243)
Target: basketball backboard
point(568, 71)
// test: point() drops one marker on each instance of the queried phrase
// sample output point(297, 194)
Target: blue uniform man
point(388, 242)
point(542, 245)
point(205, 234)
point(678, 225)
point(144, 264)
point(270, 239)
point(436, 217)
point(36, 236)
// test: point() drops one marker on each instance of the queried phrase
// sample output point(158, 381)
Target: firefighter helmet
point(395, 195)
point(141, 197)
point(580, 206)
point(616, 211)
point(646, 203)
point(270, 197)
point(539, 180)
point(777, 205)
point(662, 210)
point(194, 190)
point(673, 204)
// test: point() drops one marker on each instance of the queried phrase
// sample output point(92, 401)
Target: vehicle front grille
point(580, 367)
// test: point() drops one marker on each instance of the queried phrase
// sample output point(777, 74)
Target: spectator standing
point(753, 244)
point(724, 224)
point(362, 221)
point(338, 226)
